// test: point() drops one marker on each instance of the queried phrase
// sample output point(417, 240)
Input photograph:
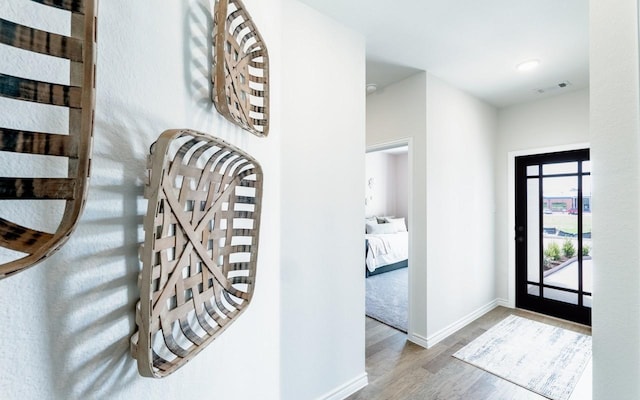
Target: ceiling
point(473, 45)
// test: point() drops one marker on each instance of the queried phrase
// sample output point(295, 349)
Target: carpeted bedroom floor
point(387, 298)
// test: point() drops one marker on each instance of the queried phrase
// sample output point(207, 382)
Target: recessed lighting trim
point(528, 65)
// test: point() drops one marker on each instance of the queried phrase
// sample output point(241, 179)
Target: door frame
point(509, 236)
point(560, 309)
point(408, 142)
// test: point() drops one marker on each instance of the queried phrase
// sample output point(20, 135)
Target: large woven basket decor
point(28, 245)
point(240, 72)
point(200, 250)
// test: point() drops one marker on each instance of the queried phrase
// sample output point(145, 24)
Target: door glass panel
point(533, 230)
point(533, 290)
point(587, 244)
point(533, 170)
point(586, 166)
point(560, 168)
point(586, 301)
point(586, 207)
point(561, 195)
point(561, 232)
point(565, 297)
point(587, 275)
point(564, 275)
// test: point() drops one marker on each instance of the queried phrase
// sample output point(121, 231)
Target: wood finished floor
point(401, 370)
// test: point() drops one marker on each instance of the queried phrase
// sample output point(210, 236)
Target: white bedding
point(386, 249)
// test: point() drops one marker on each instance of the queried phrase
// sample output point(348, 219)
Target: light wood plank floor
point(401, 370)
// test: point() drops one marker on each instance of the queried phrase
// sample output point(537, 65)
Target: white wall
point(615, 138)
point(380, 172)
point(402, 185)
point(551, 124)
point(322, 201)
point(65, 324)
point(460, 207)
point(451, 205)
point(397, 113)
point(388, 193)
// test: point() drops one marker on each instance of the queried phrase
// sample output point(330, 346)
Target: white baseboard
point(418, 339)
point(347, 389)
point(361, 381)
point(504, 303)
point(459, 324)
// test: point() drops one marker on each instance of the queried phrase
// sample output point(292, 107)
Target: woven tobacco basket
point(200, 250)
point(240, 73)
point(74, 145)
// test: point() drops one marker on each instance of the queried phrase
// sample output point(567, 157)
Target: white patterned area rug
point(539, 357)
point(387, 298)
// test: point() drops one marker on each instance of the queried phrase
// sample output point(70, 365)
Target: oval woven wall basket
point(200, 250)
point(240, 73)
point(31, 245)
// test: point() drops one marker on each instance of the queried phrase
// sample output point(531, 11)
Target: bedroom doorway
point(387, 226)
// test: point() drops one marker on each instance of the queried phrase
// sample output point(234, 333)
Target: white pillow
point(367, 221)
point(379, 229)
point(399, 223)
point(384, 220)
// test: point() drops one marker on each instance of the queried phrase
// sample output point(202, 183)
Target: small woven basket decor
point(53, 74)
point(200, 250)
point(240, 72)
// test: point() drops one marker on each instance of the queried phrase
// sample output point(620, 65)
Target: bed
point(386, 245)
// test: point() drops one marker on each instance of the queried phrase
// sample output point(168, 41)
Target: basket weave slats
point(37, 188)
point(74, 145)
point(40, 92)
point(203, 214)
point(44, 42)
point(76, 6)
point(16, 237)
point(240, 73)
point(18, 141)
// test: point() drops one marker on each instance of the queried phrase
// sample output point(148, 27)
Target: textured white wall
point(322, 207)
point(460, 205)
point(551, 124)
point(615, 139)
point(65, 324)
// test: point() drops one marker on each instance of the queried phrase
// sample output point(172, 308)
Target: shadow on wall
point(92, 287)
point(91, 284)
point(198, 55)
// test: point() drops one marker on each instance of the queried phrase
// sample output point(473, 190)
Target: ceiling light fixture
point(371, 87)
point(528, 65)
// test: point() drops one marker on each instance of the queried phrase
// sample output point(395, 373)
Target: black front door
point(553, 234)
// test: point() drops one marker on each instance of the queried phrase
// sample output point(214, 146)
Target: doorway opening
point(553, 208)
point(387, 227)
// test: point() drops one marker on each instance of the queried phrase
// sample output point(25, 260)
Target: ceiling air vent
point(556, 87)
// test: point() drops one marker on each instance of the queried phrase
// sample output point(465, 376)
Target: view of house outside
point(560, 232)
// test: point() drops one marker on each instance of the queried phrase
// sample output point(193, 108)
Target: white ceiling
point(473, 44)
